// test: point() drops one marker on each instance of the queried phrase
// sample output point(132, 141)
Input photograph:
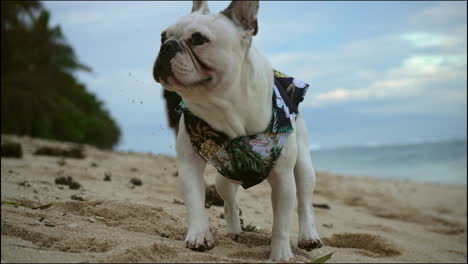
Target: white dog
point(230, 112)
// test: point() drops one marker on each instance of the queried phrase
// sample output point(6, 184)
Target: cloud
point(440, 14)
point(109, 14)
point(359, 70)
point(404, 63)
point(357, 60)
point(429, 40)
point(271, 32)
point(451, 103)
point(432, 66)
point(415, 75)
point(354, 60)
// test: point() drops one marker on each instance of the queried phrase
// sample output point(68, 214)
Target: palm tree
point(39, 95)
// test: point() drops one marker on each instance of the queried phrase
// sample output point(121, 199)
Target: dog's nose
point(171, 47)
point(162, 66)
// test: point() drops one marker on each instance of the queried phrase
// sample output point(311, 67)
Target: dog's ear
point(200, 5)
point(244, 14)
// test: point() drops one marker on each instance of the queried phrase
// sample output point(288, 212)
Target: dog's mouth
point(176, 82)
point(177, 78)
point(201, 82)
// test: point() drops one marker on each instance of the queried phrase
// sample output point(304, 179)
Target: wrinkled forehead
point(210, 24)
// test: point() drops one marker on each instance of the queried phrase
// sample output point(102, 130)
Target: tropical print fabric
point(249, 159)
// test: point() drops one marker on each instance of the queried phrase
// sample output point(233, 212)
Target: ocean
point(434, 162)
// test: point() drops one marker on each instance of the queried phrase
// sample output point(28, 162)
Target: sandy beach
point(114, 220)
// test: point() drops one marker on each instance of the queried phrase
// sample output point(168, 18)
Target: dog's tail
point(172, 101)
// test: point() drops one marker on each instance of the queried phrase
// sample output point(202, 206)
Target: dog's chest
point(249, 159)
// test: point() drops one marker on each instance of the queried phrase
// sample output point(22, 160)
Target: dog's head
point(203, 52)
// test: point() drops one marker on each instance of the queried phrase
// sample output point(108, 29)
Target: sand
point(369, 220)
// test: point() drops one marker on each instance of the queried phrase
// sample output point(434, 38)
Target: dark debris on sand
point(321, 205)
point(73, 152)
point(68, 180)
point(11, 150)
point(136, 182)
point(107, 176)
point(212, 197)
point(77, 198)
point(62, 162)
point(24, 183)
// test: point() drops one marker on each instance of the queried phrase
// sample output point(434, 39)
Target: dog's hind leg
point(304, 173)
point(228, 190)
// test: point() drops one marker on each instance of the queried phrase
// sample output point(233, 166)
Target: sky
point(379, 72)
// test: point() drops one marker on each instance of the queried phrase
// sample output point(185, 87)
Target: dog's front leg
point(191, 167)
point(283, 198)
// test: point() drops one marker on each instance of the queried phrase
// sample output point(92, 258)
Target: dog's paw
point(281, 256)
point(281, 252)
point(199, 241)
point(309, 244)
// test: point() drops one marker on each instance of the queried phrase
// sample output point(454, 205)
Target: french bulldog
point(209, 60)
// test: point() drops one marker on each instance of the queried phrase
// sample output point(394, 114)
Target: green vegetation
point(26, 204)
point(40, 97)
point(324, 258)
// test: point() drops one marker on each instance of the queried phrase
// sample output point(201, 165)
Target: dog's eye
point(163, 37)
point(198, 39)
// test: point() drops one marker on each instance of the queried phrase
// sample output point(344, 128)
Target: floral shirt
point(249, 159)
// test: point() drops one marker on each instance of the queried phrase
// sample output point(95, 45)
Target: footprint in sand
point(159, 253)
point(142, 253)
point(433, 224)
point(254, 239)
point(58, 242)
point(410, 215)
point(122, 216)
point(369, 245)
point(130, 217)
point(256, 254)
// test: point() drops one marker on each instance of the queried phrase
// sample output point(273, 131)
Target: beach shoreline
point(115, 220)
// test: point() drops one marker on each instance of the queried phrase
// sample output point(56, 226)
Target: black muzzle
point(162, 66)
